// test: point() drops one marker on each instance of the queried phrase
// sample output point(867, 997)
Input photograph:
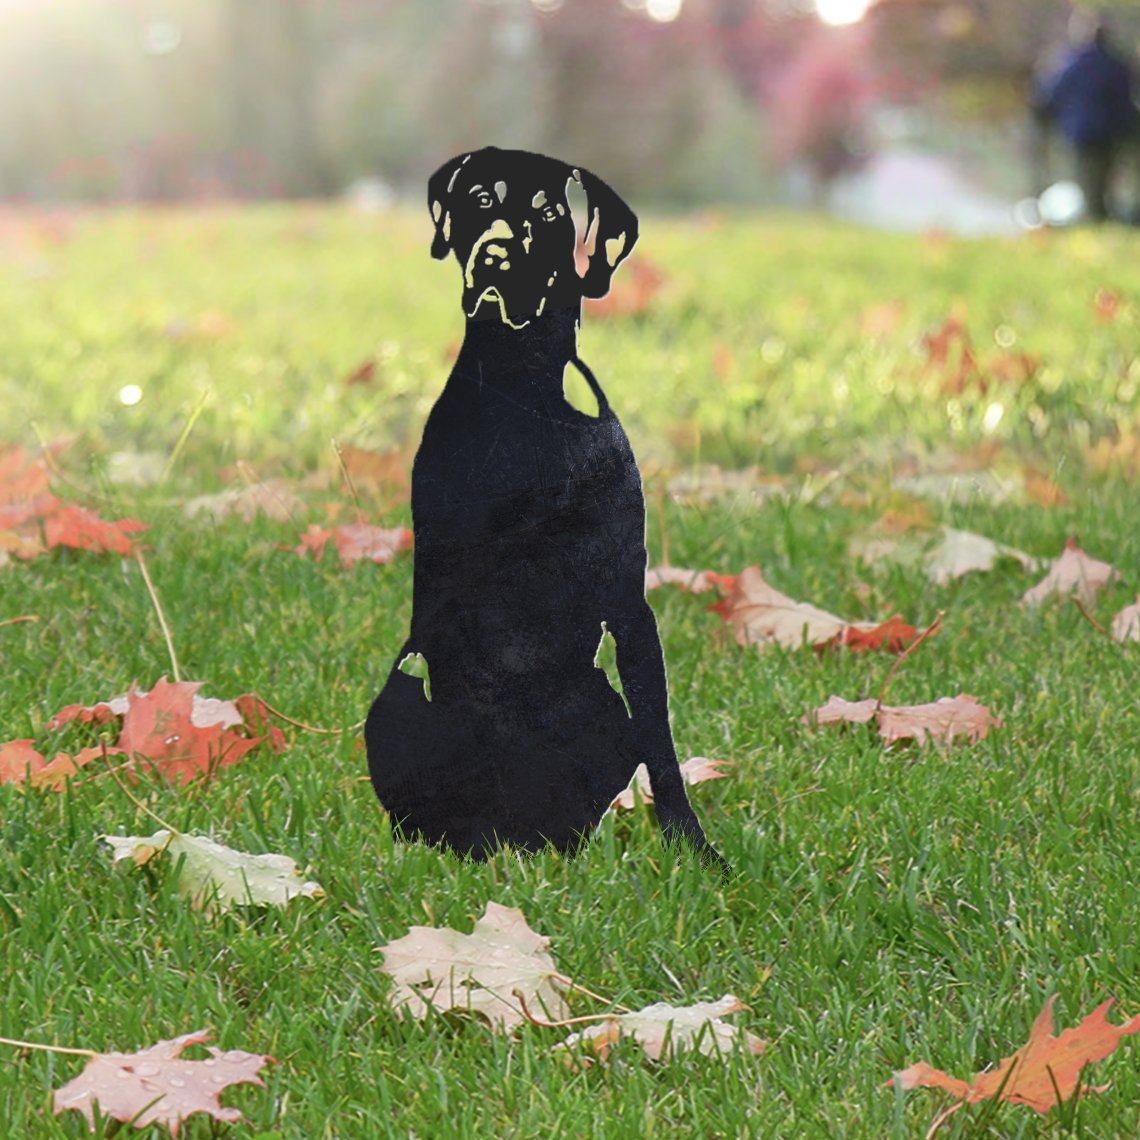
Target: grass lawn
point(891, 905)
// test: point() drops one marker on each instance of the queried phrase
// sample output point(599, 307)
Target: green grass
point(890, 906)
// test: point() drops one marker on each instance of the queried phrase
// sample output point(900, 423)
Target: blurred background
point(904, 113)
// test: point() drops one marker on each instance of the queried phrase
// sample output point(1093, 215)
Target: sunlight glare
point(663, 11)
point(840, 12)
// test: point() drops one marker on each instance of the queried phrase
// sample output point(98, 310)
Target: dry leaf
point(1045, 1068)
point(760, 615)
point(273, 498)
point(157, 1086)
point(1073, 573)
point(33, 520)
point(942, 721)
point(356, 542)
point(376, 470)
point(695, 770)
point(944, 553)
point(174, 730)
point(363, 373)
point(477, 972)
point(214, 876)
point(19, 759)
point(671, 1030)
point(695, 581)
point(21, 763)
point(1126, 624)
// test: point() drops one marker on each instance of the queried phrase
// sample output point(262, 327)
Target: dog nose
point(493, 252)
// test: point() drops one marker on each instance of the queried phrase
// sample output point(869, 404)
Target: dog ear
point(611, 232)
point(439, 202)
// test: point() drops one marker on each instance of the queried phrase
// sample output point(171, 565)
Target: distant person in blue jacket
point(1089, 98)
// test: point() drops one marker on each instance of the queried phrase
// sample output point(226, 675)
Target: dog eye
point(548, 214)
point(484, 200)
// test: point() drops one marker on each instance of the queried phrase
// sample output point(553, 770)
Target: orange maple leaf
point(1042, 1073)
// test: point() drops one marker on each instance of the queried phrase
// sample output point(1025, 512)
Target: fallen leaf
point(1041, 1073)
point(177, 732)
point(668, 1030)
point(1126, 624)
point(19, 759)
point(377, 470)
point(214, 876)
point(893, 635)
point(881, 319)
point(273, 498)
point(33, 520)
point(1107, 304)
point(54, 775)
point(209, 325)
point(695, 770)
point(960, 487)
point(941, 721)
point(356, 542)
point(477, 972)
point(944, 552)
point(21, 763)
point(760, 615)
point(1074, 572)
point(694, 581)
point(158, 1086)
point(363, 373)
point(631, 294)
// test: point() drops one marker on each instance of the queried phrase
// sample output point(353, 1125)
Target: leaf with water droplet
point(215, 876)
point(158, 1085)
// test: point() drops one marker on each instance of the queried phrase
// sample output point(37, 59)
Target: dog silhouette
point(529, 525)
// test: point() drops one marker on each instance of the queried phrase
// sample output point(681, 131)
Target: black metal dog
point(529, 544)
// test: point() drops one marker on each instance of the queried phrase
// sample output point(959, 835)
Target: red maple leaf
point(356, 542)
point(161, 732)
point(84, 530)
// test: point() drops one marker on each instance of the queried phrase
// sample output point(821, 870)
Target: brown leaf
point(1126, 624)
point(376, 470)
point(694, 581)
point(1074, 572)
point(1046, 1069)
point(760, 615)
point(695, 770)
point(477, 972)
point(669, 1030)
point(158, 1086)
point(273, 498)
point(355, 542)
point(363, 373)
point(1107, 304)
point(941, 721)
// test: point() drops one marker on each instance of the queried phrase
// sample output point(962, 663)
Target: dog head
point(505, 215)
